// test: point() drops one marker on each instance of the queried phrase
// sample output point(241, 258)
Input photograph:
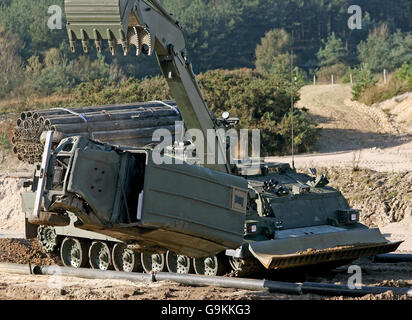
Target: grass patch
point(393, 194)
point(4, 142)
point(387, 112)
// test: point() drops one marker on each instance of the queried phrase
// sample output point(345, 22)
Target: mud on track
point(25, 251)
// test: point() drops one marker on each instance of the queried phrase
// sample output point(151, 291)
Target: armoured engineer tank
point(115, 206)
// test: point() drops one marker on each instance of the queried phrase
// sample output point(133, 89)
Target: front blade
point(321, 248)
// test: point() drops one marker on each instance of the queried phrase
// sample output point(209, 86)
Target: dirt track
point(354, 134)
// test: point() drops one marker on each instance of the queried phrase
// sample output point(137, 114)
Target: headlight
point(251, 228)
point(348, 216)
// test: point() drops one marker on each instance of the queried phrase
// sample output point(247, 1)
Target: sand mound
point(11, 214)
point(384, 198)
point(25, 251)
point(399, 109)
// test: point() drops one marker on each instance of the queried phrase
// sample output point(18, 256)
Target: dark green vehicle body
point(125, 195)
point(266, 211)
point(269, 212)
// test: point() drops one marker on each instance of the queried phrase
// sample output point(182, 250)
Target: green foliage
point(58, 73)
point(275, 43)
point(333, 52)
point(346, 76)
point(304, 131)
point(338, 71)
point(10, 62)
point(363, 79)
point(98, 92)
point(225, 33)
point(285, 79)
point(405, 73)
point(376, 50)
point(399, 83)
point(221, 34)
point(261, 103)
point(383, 50)
point(401, 48)
point(4, 141)
point(28, 20)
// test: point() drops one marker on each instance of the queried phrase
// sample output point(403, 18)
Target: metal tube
point(140, 143)
point(126, 115)
point(128, 133)
point(198, 280)
point(105, 107)
point(133, 124)
point(61, 114)
point(110, 125)
point(236, 283)
point(92, 273)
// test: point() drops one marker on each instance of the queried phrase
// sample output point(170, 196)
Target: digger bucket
point(111, 20)
point(321, 248)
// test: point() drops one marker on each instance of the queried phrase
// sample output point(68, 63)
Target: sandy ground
point(400, 231)
point(70, 288)
point(376, 137)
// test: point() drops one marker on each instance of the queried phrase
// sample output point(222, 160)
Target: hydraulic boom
point(150, 28)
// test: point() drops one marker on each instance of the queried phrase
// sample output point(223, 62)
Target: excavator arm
point(150, 28)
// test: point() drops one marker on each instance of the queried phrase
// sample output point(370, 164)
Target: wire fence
point(334, 79)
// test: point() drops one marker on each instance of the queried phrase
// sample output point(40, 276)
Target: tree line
point(258, 40)
point(224, 33)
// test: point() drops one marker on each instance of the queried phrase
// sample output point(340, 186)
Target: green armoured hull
point(265, 213)
point(121, 195)
point(125, 195)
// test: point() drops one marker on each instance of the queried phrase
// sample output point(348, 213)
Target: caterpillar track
point(110, 255)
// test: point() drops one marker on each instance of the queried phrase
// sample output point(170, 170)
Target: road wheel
point(73, 253)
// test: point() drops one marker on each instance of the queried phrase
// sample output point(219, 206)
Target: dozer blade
point(321, 248)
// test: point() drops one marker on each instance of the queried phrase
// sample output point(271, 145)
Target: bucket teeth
point(73, 45)
point(85, 44)
point(145, 40)
point(113, 47)
point(133, 38)
point(72, 40)
point(97, 40)
point(85, 40)
point(139, 37)
point(98, 44)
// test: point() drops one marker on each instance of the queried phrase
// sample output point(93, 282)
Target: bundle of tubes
point(125, 124)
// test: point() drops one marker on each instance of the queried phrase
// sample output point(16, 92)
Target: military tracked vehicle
point(115, 206)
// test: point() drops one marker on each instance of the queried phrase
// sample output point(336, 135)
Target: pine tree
point(275, 43)
point(333, 52)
